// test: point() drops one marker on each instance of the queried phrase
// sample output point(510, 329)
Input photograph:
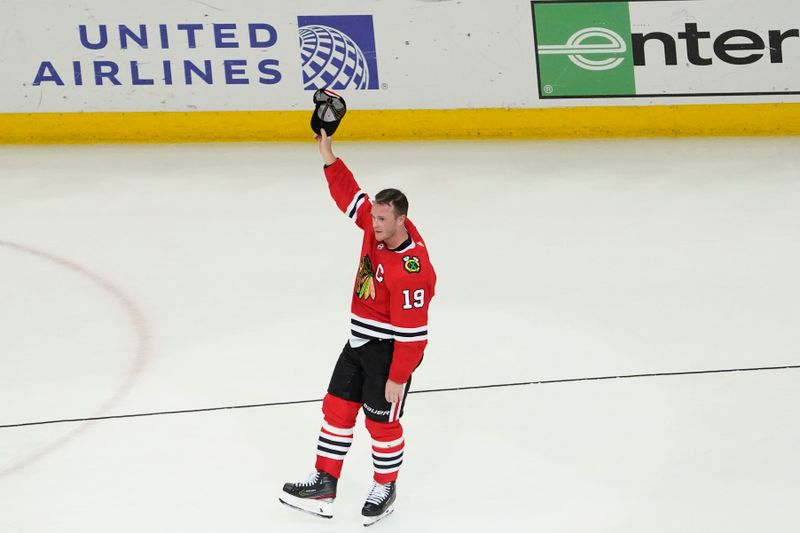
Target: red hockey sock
point(387, 449)
point(336, 434)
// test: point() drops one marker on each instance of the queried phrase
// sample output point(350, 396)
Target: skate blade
point(370, 520)
point(321, 508)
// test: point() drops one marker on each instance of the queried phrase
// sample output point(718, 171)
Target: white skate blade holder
point(323, 508)
point(369, 520)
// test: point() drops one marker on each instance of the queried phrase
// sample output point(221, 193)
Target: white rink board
point(765, 73)
point(427, 55)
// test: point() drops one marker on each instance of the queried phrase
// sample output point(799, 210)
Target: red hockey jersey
point(393, 287)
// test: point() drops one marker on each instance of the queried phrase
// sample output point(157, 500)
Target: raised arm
point(349, 197)
point(325, 147)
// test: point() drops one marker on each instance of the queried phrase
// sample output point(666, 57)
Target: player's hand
point(394, 391)
point(325, 146)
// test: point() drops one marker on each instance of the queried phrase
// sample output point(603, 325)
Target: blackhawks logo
point(411, 264)
point(365, 282)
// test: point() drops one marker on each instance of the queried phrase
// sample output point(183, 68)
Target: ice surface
point(136, 279)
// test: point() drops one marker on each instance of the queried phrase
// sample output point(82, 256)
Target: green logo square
point(583, 48)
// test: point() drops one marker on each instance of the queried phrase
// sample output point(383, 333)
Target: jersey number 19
point(419, 299)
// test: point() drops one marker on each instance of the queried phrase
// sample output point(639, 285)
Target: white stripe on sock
point(342, 432)
point(390, 444)
point(330, 455)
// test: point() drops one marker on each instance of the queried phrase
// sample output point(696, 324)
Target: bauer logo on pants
point(338, 52)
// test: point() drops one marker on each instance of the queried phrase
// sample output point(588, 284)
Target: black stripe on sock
point(387, 467)
point(334, 443)
point(335, 452)
point(398, 457)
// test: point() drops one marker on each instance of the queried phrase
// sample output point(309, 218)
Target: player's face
point(385, 223)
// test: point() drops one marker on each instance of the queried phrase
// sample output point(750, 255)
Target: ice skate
point(379, 504)
point(315, 495)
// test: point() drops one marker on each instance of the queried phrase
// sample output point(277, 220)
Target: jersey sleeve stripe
point(363, 328)
point(411, 339)
point(404, 331)
point(358, 199)
point(385, 326)
point(367, 334)
point(361, 336)
point(370, 327)
point(368, 322)
point(418, 334)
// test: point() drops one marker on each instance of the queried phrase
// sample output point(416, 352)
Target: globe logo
point(331, 59)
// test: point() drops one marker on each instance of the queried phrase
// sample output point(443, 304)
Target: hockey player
point(388, 334)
